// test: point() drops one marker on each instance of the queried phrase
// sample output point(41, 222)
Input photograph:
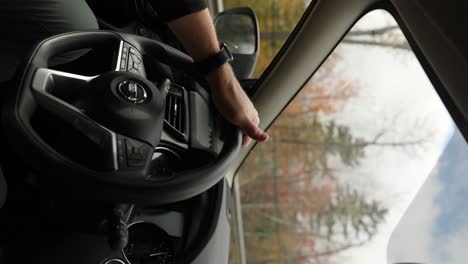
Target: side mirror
point(238, 29)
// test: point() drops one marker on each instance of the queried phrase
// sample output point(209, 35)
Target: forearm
point(197, 34)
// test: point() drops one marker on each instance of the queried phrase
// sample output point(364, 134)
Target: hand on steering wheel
point(234, 104)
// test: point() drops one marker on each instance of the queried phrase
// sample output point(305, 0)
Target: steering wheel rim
point(119, 187)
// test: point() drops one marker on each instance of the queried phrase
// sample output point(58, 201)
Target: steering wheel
point(120, 111)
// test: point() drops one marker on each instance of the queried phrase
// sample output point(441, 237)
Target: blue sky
point(453, 198)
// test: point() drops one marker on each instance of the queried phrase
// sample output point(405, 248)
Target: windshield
point(347, 157)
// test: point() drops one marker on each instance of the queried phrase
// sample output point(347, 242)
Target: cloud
point(451, 249)
point(411, 241)
point(435, 227)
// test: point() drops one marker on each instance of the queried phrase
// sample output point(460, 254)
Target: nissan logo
point(132, 92)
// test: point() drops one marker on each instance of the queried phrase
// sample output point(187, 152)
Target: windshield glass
point(347, 157)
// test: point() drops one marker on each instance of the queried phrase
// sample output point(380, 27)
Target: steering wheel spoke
point(50, 86)
point(123, 153)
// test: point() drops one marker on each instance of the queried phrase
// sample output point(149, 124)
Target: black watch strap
point(214, 61)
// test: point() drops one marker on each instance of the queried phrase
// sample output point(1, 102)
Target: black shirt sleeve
point(170, 10)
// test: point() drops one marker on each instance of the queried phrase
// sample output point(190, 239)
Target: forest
point(294, 209)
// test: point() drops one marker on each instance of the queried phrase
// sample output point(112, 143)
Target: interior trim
point(119, 56)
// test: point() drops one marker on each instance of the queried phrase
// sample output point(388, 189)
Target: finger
point(219, 122)
point(245, 140)
point(256, 120)
point(255, 132)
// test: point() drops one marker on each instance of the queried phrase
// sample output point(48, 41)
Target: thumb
point(254, 132)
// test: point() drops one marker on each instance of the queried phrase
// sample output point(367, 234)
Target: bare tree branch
point(372, 32)
point(403, 143)
point(385, 44)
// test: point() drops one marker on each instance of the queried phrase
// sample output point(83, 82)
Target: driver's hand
point(234, 104)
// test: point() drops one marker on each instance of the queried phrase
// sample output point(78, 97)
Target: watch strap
point(214, 61)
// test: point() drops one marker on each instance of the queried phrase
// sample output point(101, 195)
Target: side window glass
point(347, 156)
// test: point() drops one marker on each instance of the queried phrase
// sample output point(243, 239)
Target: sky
point(437, 221)
point(396, 96)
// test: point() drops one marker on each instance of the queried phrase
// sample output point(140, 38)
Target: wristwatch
point(215, 61)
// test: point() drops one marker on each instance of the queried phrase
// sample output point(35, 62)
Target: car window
point(276, 19)
point(347, 157)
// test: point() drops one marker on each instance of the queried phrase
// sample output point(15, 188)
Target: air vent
point(175, 112)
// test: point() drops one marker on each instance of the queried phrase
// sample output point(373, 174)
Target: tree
point(288, 209)
point(386, 36)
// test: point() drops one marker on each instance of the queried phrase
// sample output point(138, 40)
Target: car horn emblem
point(132, 92)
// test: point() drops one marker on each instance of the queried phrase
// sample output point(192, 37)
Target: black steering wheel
point(120, 111)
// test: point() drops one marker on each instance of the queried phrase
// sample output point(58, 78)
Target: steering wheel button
point(137, 153)
point(135, 163)
point(136, 60)
point(120, 144)
point(133, 70)
point(120, 152)
point(122, 63)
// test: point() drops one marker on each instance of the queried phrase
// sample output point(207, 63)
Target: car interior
point(115, 157)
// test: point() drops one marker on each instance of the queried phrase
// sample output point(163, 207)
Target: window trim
point(292, 36)
point(236, 219)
